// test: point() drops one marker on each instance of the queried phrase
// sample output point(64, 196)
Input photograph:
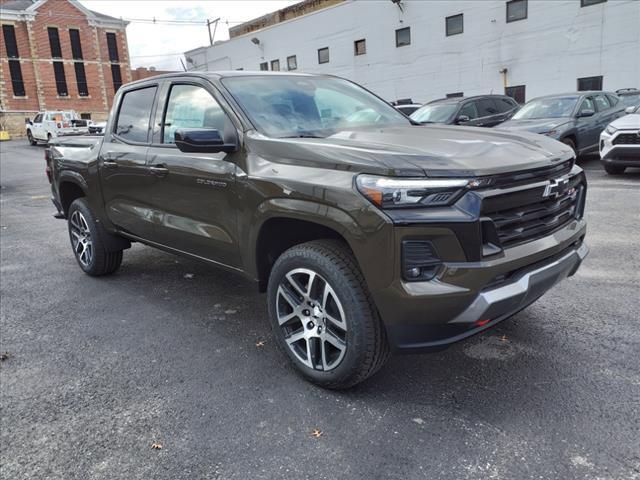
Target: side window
point(587, 104)
point(135, 110)
point(602, 103)
point(487, 107)
point(470, 110)
point(38, 118)
point(190, 106)
point(613, 100)
point(505, 104)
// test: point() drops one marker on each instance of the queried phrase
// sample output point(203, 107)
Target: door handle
point(109, 164)
point(159, 170)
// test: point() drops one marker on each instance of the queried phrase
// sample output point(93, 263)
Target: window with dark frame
point(61, 80)
point(517, 92)
point(360, 47)
point(588, 3)
point(455, 94)
point(81, 79)
point(85, 116)
point(112, 46)
point(323, 55)
point(264, 66)
point(403, 37)
point(590, 83)
point(516, 10)
point(76, 46)
point(134, 114)
point(54, 42)
point(11, 45)
point(275, 65)
point(116, 76)
point(15, 70)
point(454, 24)
point(292, 63)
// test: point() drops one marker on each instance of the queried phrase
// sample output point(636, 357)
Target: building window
point(16, 78)
point(360, 47)
point(455, 94)
point(61, 81)
point(590, 83)
point(264, 66)
point(11, 45)
point(112, 46)
point(54, 42)
point(454, 24)
point(76, 47)
point(116, 77)
point(403, 37)
point(275, 65)
point(516, 92)
point(516, 10)
point(587, 3)
point(85, 116)
point(81, 79)
point(292, 63)
point(323, 55)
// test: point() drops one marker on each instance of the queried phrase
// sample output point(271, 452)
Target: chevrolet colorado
point(369, 233)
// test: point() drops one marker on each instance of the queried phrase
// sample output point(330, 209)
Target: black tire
point(101, 262)
point(367, 348)
point(32, 141)
point(48, 138)
point(614, 169)
point(569, 143)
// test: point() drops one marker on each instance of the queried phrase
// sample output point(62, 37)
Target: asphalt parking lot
point(170, 352)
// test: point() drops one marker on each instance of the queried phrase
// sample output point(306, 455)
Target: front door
point(588, 127)
point(125, 178)
point(194, 193)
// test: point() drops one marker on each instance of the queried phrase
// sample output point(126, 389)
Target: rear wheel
point(32, 140)
point(323, 317)
point(48, 137)
point(614, 169)
point(87, 240)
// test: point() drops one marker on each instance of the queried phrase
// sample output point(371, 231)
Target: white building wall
point(558, 43)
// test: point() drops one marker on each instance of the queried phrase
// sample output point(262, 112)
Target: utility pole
point(209, 23)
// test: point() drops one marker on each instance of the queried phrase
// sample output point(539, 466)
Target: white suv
point(620, 142)
point(52, 124)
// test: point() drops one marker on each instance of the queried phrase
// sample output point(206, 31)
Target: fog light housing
point(420, 260)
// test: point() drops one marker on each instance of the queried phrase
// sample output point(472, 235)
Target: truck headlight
point(389, 192)
point(610, 129)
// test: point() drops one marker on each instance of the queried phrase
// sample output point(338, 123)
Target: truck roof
point(226, 74)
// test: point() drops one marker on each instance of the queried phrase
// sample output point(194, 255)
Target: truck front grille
point(627, 139)
point(520, 218)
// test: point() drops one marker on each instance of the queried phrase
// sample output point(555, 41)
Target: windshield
point(437, 113)
point(297, 106)
point(547, 108)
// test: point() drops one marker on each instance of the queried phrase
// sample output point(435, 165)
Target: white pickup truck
point(52, 124)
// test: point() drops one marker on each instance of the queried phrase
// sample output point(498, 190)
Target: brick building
point(59, 55)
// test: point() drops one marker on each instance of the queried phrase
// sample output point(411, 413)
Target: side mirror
point(630, 109)
point(462, 119)
point(29, 121)
point(586, 113)
point(202, 140)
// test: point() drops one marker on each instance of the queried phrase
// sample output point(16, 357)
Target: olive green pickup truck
point(369, 233)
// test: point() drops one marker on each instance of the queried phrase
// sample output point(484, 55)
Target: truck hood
point(536, 125)
point(432, 150)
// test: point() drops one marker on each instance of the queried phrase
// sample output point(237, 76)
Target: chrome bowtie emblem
point(556, 187)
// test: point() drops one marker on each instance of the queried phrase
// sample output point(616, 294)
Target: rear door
point(588, 128)
point(506, 107)
point(194, 195)
point(488, 113)
point(605, 111)
point(125, 178)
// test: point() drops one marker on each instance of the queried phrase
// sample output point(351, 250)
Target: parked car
point(406, 106)
point(368, 233)
point(630, 97)
point(575, 119)
point(97, 128)
point(479, 111)
point(51, 124)
point(620, 143)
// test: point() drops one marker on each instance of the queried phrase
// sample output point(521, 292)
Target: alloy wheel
point(81, 238)
point(312, 319)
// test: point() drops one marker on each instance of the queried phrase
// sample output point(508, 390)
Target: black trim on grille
point(627, 139)
point(528, 176)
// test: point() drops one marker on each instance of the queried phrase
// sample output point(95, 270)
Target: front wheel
point(323, 317)
point(87, 240)
point(32, 140)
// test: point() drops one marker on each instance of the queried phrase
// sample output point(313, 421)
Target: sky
point(161, 45)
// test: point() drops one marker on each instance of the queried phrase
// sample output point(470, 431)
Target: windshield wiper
point(302, 135)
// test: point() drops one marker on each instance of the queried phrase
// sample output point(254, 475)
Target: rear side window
point(487, 107)
point(613, 100)
point(191, 106)
point(505, 104)
point(135, 111)
point(602, 103)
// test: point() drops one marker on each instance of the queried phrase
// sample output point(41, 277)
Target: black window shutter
point(9, 33)
point(76, 46)
point(81, 79)
point(61, 81)
point(116, 76)
point(16, 78)
point(112, 45)
point(54, 42)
